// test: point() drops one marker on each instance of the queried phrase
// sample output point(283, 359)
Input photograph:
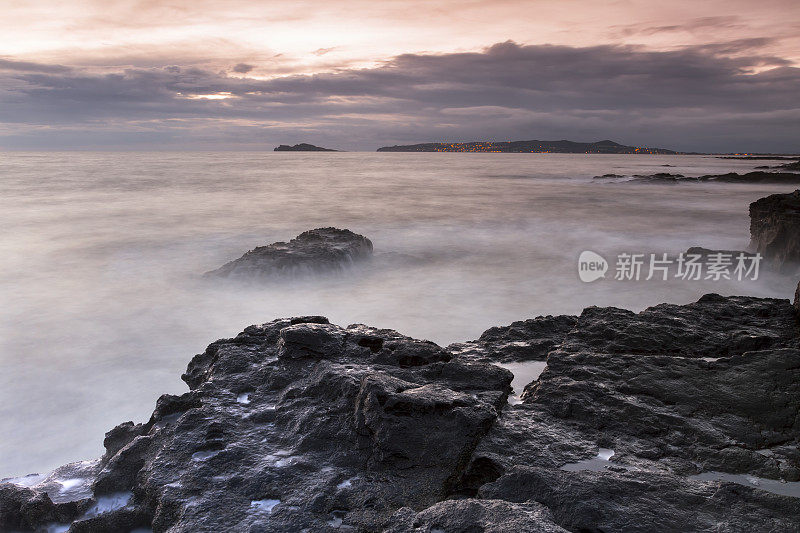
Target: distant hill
point(560, 147)
point(302, 147)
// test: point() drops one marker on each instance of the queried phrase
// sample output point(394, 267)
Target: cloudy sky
point(716, 75)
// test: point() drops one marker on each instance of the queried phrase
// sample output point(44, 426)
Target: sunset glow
point(283, 64)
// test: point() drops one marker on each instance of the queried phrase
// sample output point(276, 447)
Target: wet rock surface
point(775, 229)
point(313, 251)
point(525, 340)
point(301, 425)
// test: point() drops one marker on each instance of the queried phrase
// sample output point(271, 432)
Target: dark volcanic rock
point(293, 425)
point(667, 393)
point(775, 229)
point(301, 425)
point(316, 250)
point(754, 177)
point(526, 340)
point(797, 299)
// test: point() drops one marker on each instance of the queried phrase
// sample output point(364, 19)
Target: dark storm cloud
point(690, 99)
point(242, 68)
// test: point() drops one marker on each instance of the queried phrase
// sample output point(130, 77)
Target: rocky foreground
point(678, 418)
point(314, 251)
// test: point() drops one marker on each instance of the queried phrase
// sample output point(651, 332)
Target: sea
point(103, 303)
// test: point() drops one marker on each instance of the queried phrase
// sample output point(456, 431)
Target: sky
point(716, 75)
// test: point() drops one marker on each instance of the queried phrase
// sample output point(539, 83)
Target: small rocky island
point(302, 147)
point(314, 251)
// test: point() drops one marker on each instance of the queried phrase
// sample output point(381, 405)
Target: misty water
point(103, 305)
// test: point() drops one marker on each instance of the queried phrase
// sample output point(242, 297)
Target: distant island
point(558, 147)
point(302, 147)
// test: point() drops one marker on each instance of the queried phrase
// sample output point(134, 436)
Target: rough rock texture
point(775, 229)
point(797, 300)
point(526, 340)
point(316, 250)
point(301, 425)
point(731, 177)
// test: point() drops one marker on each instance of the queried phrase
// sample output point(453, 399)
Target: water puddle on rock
point(243, 398)
point(785, 488)
point(264, 505)
point(204, 455)
point(346, 484)
point(524, 373)
point(108, 503)
point(597, 463)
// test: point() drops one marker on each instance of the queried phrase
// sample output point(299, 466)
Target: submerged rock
point(775, 229)
point(699, 250)
point(758, 176)
point(302, 425)
point(313, 251)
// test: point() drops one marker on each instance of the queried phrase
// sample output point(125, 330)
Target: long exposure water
point(103, 305)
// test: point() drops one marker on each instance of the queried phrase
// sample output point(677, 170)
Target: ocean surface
point(102, 304)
